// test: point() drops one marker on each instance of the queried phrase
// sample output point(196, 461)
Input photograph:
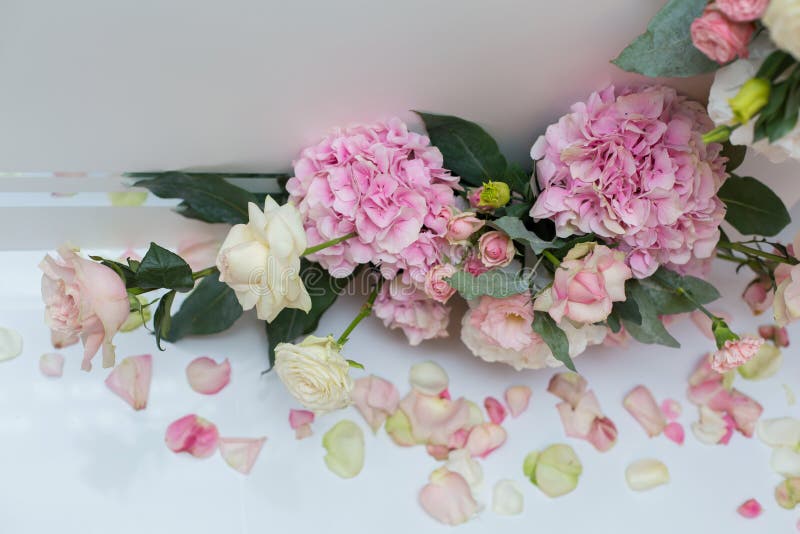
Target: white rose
point(315, 373)
point(260, 260)
point(782, 18)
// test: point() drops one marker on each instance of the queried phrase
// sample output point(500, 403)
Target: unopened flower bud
point(750, 99)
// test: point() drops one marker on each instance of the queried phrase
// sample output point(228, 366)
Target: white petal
point(345, 445)
point(780, 432)
point(461, 461)
point(507, 498)
point(241, 453)
point(785, 461)
point(51, 364)
point(10, 344)
point(428, 378)
point(646, 474)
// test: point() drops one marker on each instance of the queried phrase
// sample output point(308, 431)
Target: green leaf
point(772, 112)
point(211, 308)
point(666, 48)
point(613, 321)
point(556, 339)
point(514, 210)
point(517, 231)
point(468, 150)
point(735, 155)
point(786, 122)
point(662, 291)
point(498, 284)
point(161, 319)
point(290, 324)
point(208, 198)
point(753, 209)
point(651, 330)
point(628, 310)
point(518, 180)
point(161, 268)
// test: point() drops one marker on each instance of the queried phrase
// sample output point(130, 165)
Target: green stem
point(685, 294)
point(326, 244)
point(366, 310)
point(205, 272)
point(750, 251)
point(552, 259)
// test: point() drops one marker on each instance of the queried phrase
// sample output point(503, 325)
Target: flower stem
point(205, 272)
point(326, 244)
point(366, 310)
point(552, 259)
point(758, 253)
point(685, 294)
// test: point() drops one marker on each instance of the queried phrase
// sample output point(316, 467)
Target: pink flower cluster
point(382, 182)
point(631, 167)
point(405, 306)
point(724, 30)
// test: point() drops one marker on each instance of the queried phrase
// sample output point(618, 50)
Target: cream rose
point(782, 18)
point(315, 373)
point(260, 260)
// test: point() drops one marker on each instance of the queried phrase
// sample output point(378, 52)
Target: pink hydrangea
point(406, 306)
point(384, 183)
point(631, 167)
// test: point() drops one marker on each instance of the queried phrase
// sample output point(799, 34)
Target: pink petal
point(458, 440)
point(303, 432)
point(517, 399)
point(671, 409)
point(704, 373)
point(745, 412)
point(730, 425)
point(485, 438)
point(448, 498)
point(642, 406)
point(207, 376)
point(241, 453)
point(51, 364)
point(750, 509)
point(130, 380)
point(445, 394)
point(496, 411)
point(300, 421)
point(603, 434)
point(439, 452)
point(193, 434)
point(674, 432)
point(433, 420)
point(375, 398)
point(710, 393)
point(428, 378)
point(568, 387)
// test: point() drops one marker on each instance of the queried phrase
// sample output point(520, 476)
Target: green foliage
point(517, 231)
point(211, 308)
point(494, 283)
point(161, 268)
point(162, 320)
point(554, 336)
point(753, 208)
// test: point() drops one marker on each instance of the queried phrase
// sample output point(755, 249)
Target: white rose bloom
point(782, 18)
point(727, 82)
point(260, 260)
point(315, 373)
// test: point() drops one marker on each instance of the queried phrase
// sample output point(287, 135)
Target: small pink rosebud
point(436, 285)
point(461, 226)
point(496, 249)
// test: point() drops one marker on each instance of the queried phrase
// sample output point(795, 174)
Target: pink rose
point(473, 264)
point(720, 38)
point(83, 299)
point(496, 249)
point(786, 304)
point(735, 352)
point(742, 10)
point(436, 287)
point(461, 226)
point(759, 295)
point(586, 284)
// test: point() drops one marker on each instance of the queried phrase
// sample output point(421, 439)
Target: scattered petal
point(428, 378)
point(703, 373)
point(643, 407)
point(398, 427)
point(517, 399)
point(712, 428)
point(787, 493)
point(585, 420)
point(671, 409)
point(475, 415)
point(434, 420)
point(485, 438)
point(785, 461)
point(745, 412)
point(51, 364)
point(460, 461)
point(300, 421)
point(130, 380)
point(750, 509)
point(646, 474)
point(674, 432)
point(458, 440)
point(791, 398)
point(779, 432)
point(375, 398)
point(448, 498)
point(764, 364)
point(496, 411)
point(241, 453)
point(10, 344)
point(207, 376)
point(344, 443)
point(603, 434)
point(507, 498)
point(445, 394)
point(568, 387)
point(438, 452)
point(555, 470)
point(193, 434)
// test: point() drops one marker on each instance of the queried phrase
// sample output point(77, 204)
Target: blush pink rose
point(759, 295)
point(83, 299)
point(473, 265)
point(786, 304)
point(461, 226)
point(496, 249)
point(735, 352)
point(436, 287)
point(584, 287)
point(742, 10)
point(720, 38)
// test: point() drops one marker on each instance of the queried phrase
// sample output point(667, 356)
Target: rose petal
point(398, 427)
point(555, 470)
point(445, 394)
point(207, 376)
point(458, 440)
point(300, 421)
point(646, 474)
point(428, 378)
point(51, 364)
point(344, 444)
point(643, 407)
point(374, 398)
point(787, 493)
point(674, 432)
point(791, 399)
point(434, 420)
point(507, 498)
point(496, 411)
point(671, 409)
point(10, 344)
point(568, 387)
point(703, 373)
point(193, 434)
point(764, 364)
point(603, 434)
point(750, 509)
point(485, 438)
point(475, 415)
point(745, 412)
point(460, 461)
point(779, 432)
point(448, 498)
point(785, 461)
point(711, 428)
point(438, 452)
point(517, 399)
point(130, 380)
point(241, 453)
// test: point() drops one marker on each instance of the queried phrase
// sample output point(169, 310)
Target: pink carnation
point(405, 306)
point(742, 10)
point(631, 167)
point(720, 38)
point(735, 352)
point(384, 183)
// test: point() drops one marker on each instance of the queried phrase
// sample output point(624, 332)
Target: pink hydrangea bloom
point(384, 183)
point(631, 167)
point(405, 306)
point(735, 353)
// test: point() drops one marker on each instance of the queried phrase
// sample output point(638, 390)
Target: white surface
point(75, 458)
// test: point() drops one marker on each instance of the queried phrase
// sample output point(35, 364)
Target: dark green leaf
point(651, 330)
point(468, 150)
point(628, 310)
point(772, 112)
point(735, 155)
point(613, 322)
point(498, 284)
point(514, 210)
point(777, 62)
point(516, 230)
point(556, 339)
point(161, 319)
point(666, 48)
point(211, 308)
point(786, 122)
point(161, 268)
point(662, 289)
point(753, 209)
point(518, 180)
